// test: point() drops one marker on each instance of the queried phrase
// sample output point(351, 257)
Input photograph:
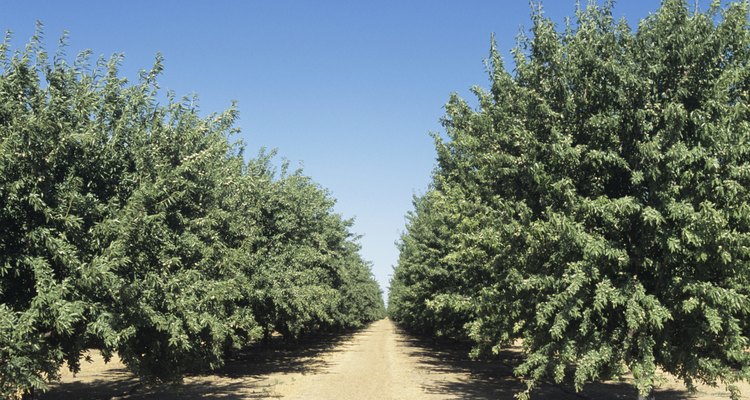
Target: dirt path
point(372, 365)
point(379, 362)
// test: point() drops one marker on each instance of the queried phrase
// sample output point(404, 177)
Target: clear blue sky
point(348, 89)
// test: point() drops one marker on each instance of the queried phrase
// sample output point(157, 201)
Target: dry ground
point(379, 362)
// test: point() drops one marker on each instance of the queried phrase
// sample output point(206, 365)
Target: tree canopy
point(141, 229)
point(595, 203)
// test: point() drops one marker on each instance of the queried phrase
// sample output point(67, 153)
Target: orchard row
point(139, 229)
point(595, 206)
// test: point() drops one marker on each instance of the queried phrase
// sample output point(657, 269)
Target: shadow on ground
point(242, 377)
point(494, 379)
point(278, 356)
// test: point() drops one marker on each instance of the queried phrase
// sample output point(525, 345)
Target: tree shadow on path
point(244, 376)
point(494, 379)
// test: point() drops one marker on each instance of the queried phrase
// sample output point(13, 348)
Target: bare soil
point(379, 362)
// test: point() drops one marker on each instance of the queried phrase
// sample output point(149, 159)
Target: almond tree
point(607, 178)
point(140, 229)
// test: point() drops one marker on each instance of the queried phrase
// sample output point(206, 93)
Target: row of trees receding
point(596, 204)
point(140, 229)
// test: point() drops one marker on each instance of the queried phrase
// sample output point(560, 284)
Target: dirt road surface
point(379, 362)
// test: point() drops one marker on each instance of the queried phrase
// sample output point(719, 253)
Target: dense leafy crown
point(595, 204)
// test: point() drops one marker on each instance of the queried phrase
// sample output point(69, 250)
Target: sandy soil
point(379, 362)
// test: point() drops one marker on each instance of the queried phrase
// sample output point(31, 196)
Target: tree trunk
point(28, 395)
point(266, 335)
point(649, 396)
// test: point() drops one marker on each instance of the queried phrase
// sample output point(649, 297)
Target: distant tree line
point(140, 230)
point(595, 205)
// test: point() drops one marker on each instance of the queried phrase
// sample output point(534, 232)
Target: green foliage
point(47, 214)
point(596, 203)
point(305, 268)
point(139, 229)
point(426, 291)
